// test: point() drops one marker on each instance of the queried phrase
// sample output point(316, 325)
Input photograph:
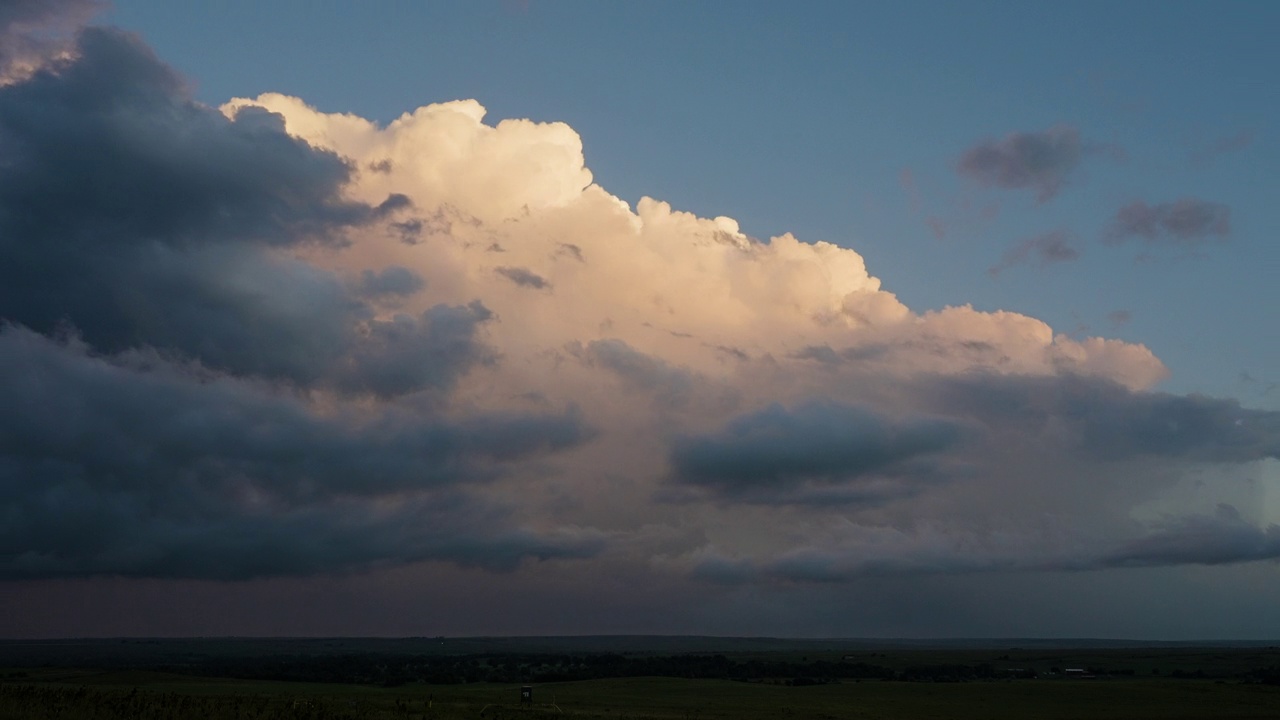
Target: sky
point(505, 318)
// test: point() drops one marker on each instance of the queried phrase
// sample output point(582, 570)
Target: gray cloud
point(137, 215)
point(38, 14)
point(667, 384)
point(1051, 439)
point(1046, 249)
point(171, 431)
point(151, 165)
point(407, 354)
point(1219, 539)
point(1224, 538)
point(814, 453)
point(1039, 161)
point(143, 218)
point(813, 565)
point(524, 277)
point(134, 465)
point(31, 32)
point(1188, 222)
point(1111, 423)
point(390, 282)
point(819, 353)
point(907, 180)
point(570, 250)
point(1222, 146)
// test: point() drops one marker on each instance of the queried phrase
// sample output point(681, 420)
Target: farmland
point(651, 679)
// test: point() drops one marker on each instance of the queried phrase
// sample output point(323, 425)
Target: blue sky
point(802, 121)
point(304, 345)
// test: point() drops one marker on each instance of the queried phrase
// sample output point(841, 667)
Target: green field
point(106, 695)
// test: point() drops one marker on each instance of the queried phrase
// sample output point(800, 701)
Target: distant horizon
point(976, 642)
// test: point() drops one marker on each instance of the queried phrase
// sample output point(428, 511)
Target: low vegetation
point(307, 681)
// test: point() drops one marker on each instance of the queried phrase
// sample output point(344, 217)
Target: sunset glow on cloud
point(262, 342)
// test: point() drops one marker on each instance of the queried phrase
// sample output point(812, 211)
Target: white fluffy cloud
point(670, 330)
point(493, 203)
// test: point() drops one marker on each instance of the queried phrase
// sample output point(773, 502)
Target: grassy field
point(74, 694)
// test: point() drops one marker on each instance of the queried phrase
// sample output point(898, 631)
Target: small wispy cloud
point(1039, 161)
point(1119, 317)
point(524, 277)
point(1047, 249)
point(907, 179)
point(1188, 222)
point(1225, 145)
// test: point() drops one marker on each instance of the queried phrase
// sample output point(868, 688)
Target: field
point(1152, 683)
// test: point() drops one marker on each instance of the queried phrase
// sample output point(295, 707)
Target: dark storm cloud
point(524, 277)
point(1110, 422)
point(1189, 222)
point(823, 566)
point(142, 218)
point(135, 465)
point(1089, 423)
point(171, 432)
point(407, 354)
point(390, 282)
point(1224, 538)
point(1039, 161)
point(820, 567)
point(1046, 249)
point(814, 453)
point(108, 149)
point(1220, 539)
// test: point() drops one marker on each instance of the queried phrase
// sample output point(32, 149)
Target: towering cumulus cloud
point(268, 340)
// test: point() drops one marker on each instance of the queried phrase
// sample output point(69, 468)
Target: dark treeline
point(19, 702)
point(398, 669)
point(391, 670)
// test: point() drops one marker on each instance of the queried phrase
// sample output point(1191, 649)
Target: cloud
point(937, 227)
point(390, 282)
point(649, 375)
point(1223, 538)
point(36, 32)
point(1219, 539)
point(139, 216)
point(1049, 248)
point(1017, 431)
point(405, 354)
point(907, 179)
point(1187, 222)
point(192, 174)
point(135, 465)
point(1225, 145)
point(782, 455)
point(1039, 161)
point(268, 340)
point(524, 277)
point(1099, 419)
